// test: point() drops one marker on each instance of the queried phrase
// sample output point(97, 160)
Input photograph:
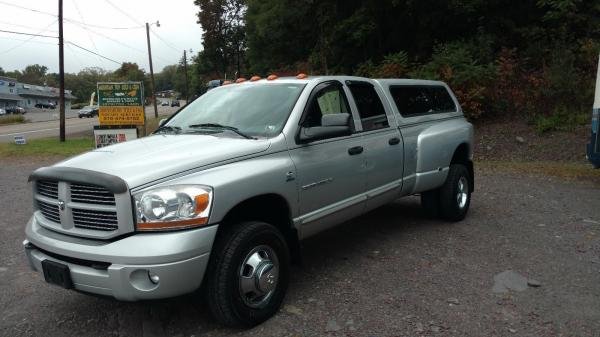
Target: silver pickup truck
point(220, 196)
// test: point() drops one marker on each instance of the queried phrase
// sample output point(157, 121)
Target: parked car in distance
point(16, 110)
point(2, 112)
point(164, 103)
point(45, 106)
point(88, 111)
point(175, 102)
point(223, 191)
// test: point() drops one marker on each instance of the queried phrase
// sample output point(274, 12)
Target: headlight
point(172, 207)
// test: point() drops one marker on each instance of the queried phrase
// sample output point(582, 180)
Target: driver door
point(331, 173)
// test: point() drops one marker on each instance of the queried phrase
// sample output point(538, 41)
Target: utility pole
point(61, 70)
point(151, 68)
point(187, 90)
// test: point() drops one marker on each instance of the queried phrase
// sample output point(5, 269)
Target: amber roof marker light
point(240, 80)
point(255, 78)
point(301, 76)
point(272, 77)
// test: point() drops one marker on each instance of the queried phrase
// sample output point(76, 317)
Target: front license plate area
point(57, 273)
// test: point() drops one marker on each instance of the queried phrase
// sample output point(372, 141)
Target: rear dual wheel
point(452, 200)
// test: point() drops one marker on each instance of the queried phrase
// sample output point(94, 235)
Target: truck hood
point(151, 158)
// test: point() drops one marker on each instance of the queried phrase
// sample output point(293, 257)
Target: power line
point(103, 27)
point(30, 34)
point(82, 26)
point(33, 36)
point(124, 12)
point(67, 19)
point(168, 44)
point(118, 42)
point(23, 26)
point(88, 33)
point(89, 51)
point(28, 40)
point(27, 9)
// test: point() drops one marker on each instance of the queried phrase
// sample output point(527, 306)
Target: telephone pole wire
point(61, 70)
point(151, 70)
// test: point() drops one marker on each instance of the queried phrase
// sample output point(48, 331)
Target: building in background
point(8, 92)
point(37, 94)
point(13, 93)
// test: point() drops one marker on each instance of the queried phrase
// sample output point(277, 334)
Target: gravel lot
point(392, 272)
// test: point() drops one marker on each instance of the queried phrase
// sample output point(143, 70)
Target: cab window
point(415, 100)
point(328, 100)
point(370, 109)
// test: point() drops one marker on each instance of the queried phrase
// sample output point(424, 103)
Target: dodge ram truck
point(218, 199)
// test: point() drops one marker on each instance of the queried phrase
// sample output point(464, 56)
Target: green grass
point(562, 170)
point(12, 119)
point(560, 120)
point(47, 147)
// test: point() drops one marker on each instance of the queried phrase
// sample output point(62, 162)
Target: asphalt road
point(44, 123)
point(392, 272)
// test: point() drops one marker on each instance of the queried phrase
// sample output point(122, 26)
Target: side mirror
point(332, 125)
point(162, 122)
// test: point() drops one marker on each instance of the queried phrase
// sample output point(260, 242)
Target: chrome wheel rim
point(258, 276)
point(462, 194)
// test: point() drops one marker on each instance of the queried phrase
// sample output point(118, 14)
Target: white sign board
point(106, 137)
point(20, 140)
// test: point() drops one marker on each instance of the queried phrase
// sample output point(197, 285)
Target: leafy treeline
point(500, 56)
point(83, 83)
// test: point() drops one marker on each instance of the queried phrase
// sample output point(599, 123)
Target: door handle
point(394, 141)
point(355, 150)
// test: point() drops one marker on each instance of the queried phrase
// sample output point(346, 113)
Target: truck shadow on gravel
point(354, 242)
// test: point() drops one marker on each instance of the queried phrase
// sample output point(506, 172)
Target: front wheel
point(248, 274)
point(455, 194)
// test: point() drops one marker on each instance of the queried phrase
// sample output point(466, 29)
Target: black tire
point(453, 207)
point(223, 286)
point(430, 201)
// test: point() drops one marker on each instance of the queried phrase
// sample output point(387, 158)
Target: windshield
point(258, 110)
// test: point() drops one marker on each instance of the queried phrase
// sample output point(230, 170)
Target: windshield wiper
point(219, 126)
point(166, 128)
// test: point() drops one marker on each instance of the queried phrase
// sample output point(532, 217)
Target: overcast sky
point(87, 24)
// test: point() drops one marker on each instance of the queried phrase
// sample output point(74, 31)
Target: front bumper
point(122, 268)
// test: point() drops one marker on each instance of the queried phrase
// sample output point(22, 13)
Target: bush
point(12, 119)
point(562, 119)
point(455, 64)
point(394, 65)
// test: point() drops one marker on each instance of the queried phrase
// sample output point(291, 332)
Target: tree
point(33, 74)
point(224, 33)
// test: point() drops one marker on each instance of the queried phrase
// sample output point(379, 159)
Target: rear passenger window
point(421, 100)
point(371, 111)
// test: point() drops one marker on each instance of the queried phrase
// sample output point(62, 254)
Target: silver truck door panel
point(331, 182)
point(330, 173)
point(383, 143)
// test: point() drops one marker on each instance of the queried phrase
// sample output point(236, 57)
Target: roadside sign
point(121, 103)
point(105, 136)
point(20, 140)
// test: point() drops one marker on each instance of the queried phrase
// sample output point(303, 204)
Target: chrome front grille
point(95, 220)
point(48, 188)
point(83, 209)
point(91, 194)
point(50, 211)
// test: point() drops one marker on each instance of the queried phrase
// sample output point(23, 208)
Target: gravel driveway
point(392, 272)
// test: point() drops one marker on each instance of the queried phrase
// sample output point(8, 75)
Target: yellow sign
point(121, 115)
